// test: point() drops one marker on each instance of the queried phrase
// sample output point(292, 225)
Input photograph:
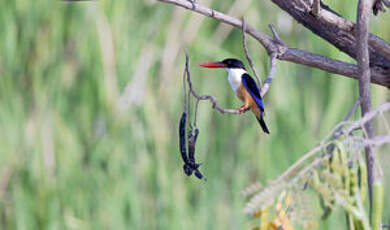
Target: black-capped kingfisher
point(244, 86)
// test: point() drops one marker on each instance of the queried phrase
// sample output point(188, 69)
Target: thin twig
point(363, 59)
point(250, 62)
point(369, 116)
point(212, 99)
point(338, 132)
point(196, 113)
point(271, 74)
point(275, 35)
point(273, 55)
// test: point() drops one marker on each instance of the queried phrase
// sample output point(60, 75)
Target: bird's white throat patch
point(234, 77)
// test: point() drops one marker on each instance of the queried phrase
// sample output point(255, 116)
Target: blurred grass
point(68, 160)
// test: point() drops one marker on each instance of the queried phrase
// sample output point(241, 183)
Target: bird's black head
point(233, 63)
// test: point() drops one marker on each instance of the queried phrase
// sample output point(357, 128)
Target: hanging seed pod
point(192, 137)
point(182, 137)
point(199, 175)
point(187, 169)
point(190, 166)
point(182, 141)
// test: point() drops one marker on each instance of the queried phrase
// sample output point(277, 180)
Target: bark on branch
point(338, 31)
point(380, 73)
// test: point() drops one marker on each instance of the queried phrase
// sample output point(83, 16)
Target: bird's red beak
point(213, 65)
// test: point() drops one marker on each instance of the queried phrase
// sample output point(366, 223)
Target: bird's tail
point(262, 124)
point(260, 119)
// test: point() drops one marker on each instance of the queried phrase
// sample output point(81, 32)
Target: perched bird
point(244, 86)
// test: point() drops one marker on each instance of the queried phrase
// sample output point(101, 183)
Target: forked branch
point(210, 98)
point(273, 55)
point(248, 58)
point(283, 52)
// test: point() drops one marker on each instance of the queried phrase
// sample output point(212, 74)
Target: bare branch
point(244, 44)
point(205, 97)
point(363, 19)
point(270, 76)
point(273, 57)
point(330, 17)
point(379, 75)
point(338, 31)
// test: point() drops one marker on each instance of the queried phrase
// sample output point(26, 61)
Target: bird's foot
point(242, 109)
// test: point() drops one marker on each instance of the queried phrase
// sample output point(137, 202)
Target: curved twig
point(271, 74)
point(248, 58)
point(212, 99)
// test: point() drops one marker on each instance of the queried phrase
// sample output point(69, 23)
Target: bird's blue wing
point(253, 90)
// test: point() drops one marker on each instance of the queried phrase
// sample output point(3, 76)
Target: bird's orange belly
point(245, 97)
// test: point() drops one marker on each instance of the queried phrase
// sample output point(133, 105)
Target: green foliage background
point(69, 160)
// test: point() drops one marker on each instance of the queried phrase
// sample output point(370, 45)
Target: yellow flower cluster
point(279, 215)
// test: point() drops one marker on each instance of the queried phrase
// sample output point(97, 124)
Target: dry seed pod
point(199, 175)
point(192, 137)
point(182, 140)
point(190, 166)
point(182, 137)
